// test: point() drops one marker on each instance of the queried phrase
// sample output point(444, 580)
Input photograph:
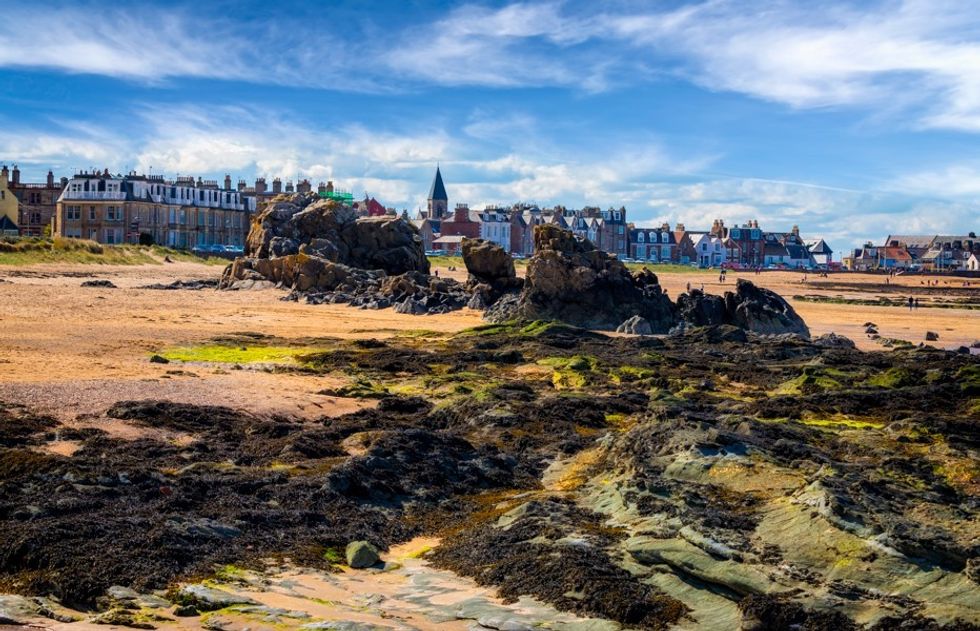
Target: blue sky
point(853, 120)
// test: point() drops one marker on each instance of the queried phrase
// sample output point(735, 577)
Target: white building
point(710, 250)
point(495, 226)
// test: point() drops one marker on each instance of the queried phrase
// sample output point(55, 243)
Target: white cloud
point(123, 44)
point(913, 52)
point(920, 58)
point(955, 180)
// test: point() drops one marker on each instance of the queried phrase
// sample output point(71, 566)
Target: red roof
point(898, 254)
point(374, 208)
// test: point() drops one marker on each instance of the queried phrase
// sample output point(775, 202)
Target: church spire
point(438, 199)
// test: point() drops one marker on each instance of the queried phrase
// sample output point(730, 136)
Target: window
point(639, 237)
point(736, 233)
point(755, 234)
point(663, 237)
point(91, 213)
point(622, 229)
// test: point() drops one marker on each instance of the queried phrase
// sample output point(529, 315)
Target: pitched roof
point(911, 240)
point(898, 254)
point(797, 252)
point(819, 247)
point(438, 190)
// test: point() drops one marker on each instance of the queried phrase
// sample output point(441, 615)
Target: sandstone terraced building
point(181, 213)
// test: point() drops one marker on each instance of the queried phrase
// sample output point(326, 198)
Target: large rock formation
point(762, 311)
point(303, 223)
point(569, 279)
point(309, 244)
point(751, 308)
point(491, 272)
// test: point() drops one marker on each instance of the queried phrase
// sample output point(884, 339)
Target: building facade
point(181, 213)
point(495, 226)
point(655, 245)
point(37, 202)
point(460, 224)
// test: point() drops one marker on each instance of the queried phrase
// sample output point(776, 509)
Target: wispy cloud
point(126, 44)
point(920, 58)
point(924, 54)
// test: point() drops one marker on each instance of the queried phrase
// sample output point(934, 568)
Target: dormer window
point(639, 237)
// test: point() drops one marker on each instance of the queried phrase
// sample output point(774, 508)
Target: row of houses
point(918, 252)
point(113, 209)
point(746, 245)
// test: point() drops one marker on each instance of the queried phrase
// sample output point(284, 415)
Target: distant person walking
point(911, 303)
point(916, 304)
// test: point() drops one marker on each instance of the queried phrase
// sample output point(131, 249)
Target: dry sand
point(72, 351)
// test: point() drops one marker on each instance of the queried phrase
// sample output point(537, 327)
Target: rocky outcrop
point(324, 253)
point(303, 242)
point(303, 223)
point(569, 279)
point(700, 309)
point(491, 272)
point(762, 311)
point(750, 307)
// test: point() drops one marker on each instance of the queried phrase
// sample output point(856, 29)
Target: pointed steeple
point(438, 190)
point(438, 199)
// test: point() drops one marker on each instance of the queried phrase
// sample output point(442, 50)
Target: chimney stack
point(260, 186)
point(330, 186)
point(16, 174)
point(227, 182)
point(50, 179)
point(276, 186)
point(241, 185)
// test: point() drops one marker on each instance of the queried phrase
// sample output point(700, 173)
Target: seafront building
point(923, 252)
point(34, 203)
point(181, 213)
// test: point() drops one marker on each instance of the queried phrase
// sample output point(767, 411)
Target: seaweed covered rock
point(569, 279)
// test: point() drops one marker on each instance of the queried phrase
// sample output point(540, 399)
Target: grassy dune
point(59, 250)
